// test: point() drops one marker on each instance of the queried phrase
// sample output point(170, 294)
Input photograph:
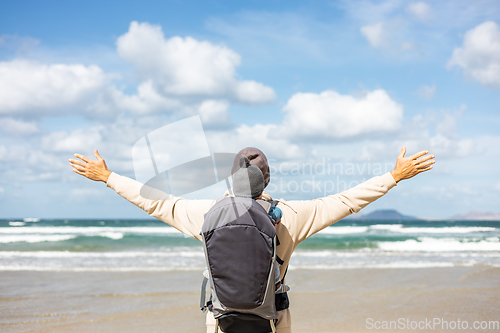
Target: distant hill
point(383, 214)
point(488, 216)
point(392, 214)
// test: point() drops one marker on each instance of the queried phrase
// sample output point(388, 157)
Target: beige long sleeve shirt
point(301, 218)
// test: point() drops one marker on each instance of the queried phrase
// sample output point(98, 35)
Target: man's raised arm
point(315, 215)
point(184, 215)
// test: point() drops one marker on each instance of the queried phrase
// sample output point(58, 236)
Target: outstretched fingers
point(424, 169)
point(83, 164)
point(96, 154)
point(424, 159)
point(425, 165)
point(402, 152)
point(79, 172)
point(419, 154)
point(83, 158)
point(77, 166)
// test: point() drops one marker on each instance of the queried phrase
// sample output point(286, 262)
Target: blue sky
point(347, 82)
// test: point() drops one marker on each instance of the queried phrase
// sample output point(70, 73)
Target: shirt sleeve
point(184, 215)
point(311, 216)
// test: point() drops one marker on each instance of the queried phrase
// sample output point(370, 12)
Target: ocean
point(72, 245)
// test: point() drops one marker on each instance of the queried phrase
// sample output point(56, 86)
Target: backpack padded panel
point(240, 276)
point(240, 254)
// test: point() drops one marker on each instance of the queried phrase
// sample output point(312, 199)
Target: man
point(301, 218)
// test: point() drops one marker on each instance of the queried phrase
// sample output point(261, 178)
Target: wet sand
point(322, 301)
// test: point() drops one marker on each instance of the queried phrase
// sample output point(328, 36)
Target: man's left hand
point(94, 170)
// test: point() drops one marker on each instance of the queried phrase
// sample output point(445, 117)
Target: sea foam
point(35, 238)
point(343, 230)
point(423, 230)
point(89, 230)
point(425, 244)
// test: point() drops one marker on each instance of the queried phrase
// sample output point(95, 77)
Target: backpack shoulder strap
point(265, 204)
point(204, 306)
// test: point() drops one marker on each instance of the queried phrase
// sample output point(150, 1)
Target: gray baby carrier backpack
point(240, 248)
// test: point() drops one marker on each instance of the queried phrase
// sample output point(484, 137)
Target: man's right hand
point(94, 170)
point(409, 167)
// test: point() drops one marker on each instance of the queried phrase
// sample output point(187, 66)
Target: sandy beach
point(322, 300)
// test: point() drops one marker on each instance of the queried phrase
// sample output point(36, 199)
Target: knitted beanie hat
point(248, 180)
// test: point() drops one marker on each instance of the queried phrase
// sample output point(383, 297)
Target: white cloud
point(426, 92)
point(29, 162)
point(170, 70)
point(374, 33)
point(16, 127)
point(366, 10)
point(330, 115)
point(79, 140)
point(378, 150)
point(263, 136)
point(147, 100)
point(446, 146)
point(253, 92)
point(29, 87)
point(214, 113)
point(14, 153)
point(45, 157)
point(420, 10)
point(479, 55)
point(18, 43)
point(447, 123)
point(438, 134)
point(187, 67)
point(390, 36)
point(435, 132)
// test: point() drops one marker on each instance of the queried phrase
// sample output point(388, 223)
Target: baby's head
point(248, 180)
